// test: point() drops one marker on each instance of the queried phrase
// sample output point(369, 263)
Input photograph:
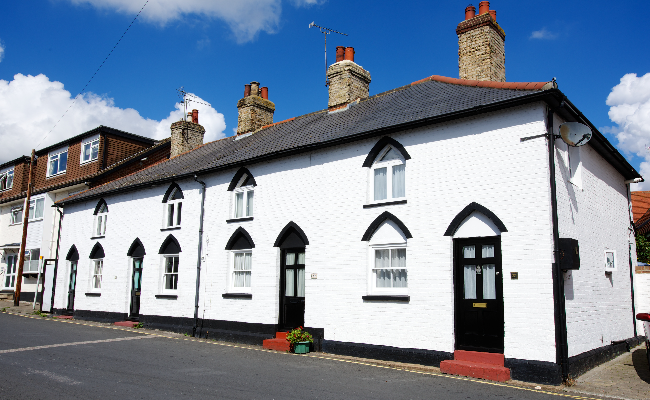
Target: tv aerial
point(325, 32)
point(187, 98)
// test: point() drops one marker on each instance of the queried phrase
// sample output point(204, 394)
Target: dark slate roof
point(418, 104)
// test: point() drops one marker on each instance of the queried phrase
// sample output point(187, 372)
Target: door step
point(64, 317)
point(476, 364)
point(129, 324)
point(280, 342)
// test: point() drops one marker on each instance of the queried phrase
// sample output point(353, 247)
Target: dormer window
point(101, 216)
point(388, 179)
point(173, 206)
point(6, 179)
point(57, 162)
point(243, 188)
point(89, 149)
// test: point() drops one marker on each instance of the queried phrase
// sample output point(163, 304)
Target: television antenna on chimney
point(187, 98)
point(326, 31)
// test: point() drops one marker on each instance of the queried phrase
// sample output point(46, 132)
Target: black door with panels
point(136, 287)
point(292, 288)
point(72, 286)
point(478, 282)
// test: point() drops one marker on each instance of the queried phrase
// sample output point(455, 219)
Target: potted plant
point(300, 340)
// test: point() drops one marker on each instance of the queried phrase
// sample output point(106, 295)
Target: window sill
point(385, 203)
point(237, 295)
point(239, 219)
point(401, 298)
point(167, 296)
point(171, 228)
point(16, 223)
point(98, 237)
point(93, 294)
point(54, 176)
point(6, 190)
point(88, 162)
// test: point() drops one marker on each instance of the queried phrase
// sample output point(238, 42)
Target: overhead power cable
point(91, 78)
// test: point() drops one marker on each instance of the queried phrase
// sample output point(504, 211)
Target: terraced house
point(60, 170)
point(414, 224)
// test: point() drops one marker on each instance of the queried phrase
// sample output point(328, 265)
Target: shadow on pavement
point(640, 361)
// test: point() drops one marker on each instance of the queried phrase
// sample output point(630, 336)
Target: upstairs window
point(388, 175)
point(57, 162)
point(90, 149)
point(16, 215)
point(243, 188)
point(36, 209)
point(6, 179)
point(173, 207)
point(101, 217)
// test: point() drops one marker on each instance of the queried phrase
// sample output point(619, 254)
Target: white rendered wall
point(598, 304)
point(479, 159)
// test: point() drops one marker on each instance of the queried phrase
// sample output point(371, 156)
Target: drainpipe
point(198, 259)
point(629, 206)
point(561, 346)
point(56, 262)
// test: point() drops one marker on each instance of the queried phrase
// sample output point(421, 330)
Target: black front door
point(135, 287)
point(478, 294)
point(292, 289)
point(73, 285)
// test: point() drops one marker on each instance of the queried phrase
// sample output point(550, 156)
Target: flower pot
point(301, 347)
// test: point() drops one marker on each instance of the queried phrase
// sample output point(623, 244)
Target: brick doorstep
point(472, 369)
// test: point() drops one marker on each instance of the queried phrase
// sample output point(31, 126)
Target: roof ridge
point(490, 84)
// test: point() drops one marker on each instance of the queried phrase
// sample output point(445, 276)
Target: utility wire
point(91, 78)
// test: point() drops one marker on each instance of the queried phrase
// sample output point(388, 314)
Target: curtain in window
point(289, 286)
point(399, 181)
point(398, 263)
point(487, 251)
point(489, 282)
point(382, 263)
point(380, 184)
point(243, 264)
point(469, 252)
point(97, 274)
point(301, 258)
point(291, 258)
point(178, 213)
point(249, 203)
point(470, 281)
point(171, 273)
point(239, 204)
point(301, 282)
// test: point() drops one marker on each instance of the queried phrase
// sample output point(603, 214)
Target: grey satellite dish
point(575, 134)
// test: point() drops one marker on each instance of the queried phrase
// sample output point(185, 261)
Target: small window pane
point(469, 252)
point(399, 278)
point(54, 165)
point(381, 259)
point(399, 181)
point(249, 203)
point(380, 192)
point(239, 205)
point(301, 282)
point(470, 281)
point(383, 278)
point(301, 258)
point(40, 203)
point(63, 161)
point(170, 214)
point(398, 259)
point(487, 251)
point(86, 152)
point(95, 150)
point(489, 282)
point(178, 213)
point(291, 258)
point(289, 284)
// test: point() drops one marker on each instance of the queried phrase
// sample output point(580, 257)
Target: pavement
point(625, 377)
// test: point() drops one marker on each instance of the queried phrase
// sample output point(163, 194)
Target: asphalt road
point(47, 359)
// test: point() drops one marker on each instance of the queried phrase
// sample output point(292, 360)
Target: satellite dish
point(575, 134)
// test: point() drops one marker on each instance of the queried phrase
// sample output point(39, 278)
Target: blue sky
point(51, 48)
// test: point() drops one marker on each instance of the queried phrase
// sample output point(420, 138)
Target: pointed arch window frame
point(243, 187)
point(172, 207)
point(169, 252)
point(96, 268)
point(386, 179)
point(240, 270)
point(100, 218)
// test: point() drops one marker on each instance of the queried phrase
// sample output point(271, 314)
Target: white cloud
point(543, 34)
point(307, 3)
point(2, 50)
point(31, 105)
point(244, 17)
point(629, 103)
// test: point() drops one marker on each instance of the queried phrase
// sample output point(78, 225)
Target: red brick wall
point(21, 172)
point(119, 148)
point(159, 155)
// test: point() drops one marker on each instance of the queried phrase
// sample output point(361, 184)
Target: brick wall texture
point(481, 53)
point(254, 113)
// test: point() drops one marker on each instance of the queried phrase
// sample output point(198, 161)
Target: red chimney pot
point(483, 7)
point(247, 90)
point(349, 53)
point(470, 12)
point(195, 116)
point(340, 53)
point(265, 92)
point(494, 15)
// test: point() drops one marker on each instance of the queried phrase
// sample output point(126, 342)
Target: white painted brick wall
point(598, 305)
point(479, 159)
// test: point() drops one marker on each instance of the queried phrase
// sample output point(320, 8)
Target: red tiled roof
point(640, 204)
point(489, 84)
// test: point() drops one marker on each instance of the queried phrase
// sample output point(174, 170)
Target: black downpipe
point(56, 258)
point(561, 346)
point(198, 259)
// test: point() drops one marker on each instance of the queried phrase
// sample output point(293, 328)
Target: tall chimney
point(348, 81)
point(481, 42)
point(186, 135)
point(255, 109)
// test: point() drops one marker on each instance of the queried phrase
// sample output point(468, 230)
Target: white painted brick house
point(375, 210)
